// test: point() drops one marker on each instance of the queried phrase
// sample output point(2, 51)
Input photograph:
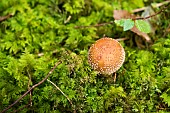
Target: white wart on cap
point(106, 56)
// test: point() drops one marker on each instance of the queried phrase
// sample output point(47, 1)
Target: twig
point(42, 54)
point(62, 93)
point(29, 82)
point(157, 5)
point(143, 18)
point(97, 25)
point(5, 17)
point(31, 88)
point(121, 39)
point(67, 20)
point(16, 111)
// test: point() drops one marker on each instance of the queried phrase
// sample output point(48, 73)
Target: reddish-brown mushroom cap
point(106, 56)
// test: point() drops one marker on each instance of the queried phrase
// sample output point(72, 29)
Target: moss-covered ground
point(42, 32)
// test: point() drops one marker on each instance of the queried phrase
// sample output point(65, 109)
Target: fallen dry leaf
point(144, 35)
point(122, 14)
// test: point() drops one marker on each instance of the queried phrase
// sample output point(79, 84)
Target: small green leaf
point(120, 22)
point(128, 24)
point(143, 26)
point(125, 23)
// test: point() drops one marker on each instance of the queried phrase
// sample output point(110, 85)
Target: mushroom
point(106, 55)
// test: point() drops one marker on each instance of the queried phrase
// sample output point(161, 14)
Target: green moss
point(42, 33)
